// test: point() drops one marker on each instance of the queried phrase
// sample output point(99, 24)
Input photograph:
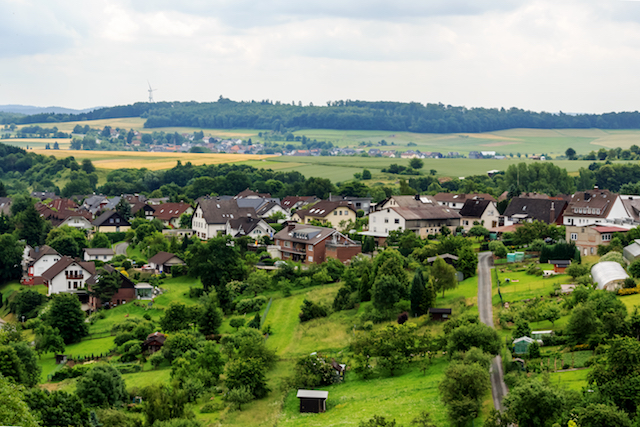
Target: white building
point(211, 215)
point(68, 275)
point(595, 207)
point(41, 259)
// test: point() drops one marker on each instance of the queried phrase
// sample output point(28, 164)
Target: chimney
point(417, 197)
point(291, 226)
point(552, 213)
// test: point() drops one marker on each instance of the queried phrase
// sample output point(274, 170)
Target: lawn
point(462, 298)
point(401, 398)
point(9, 289)
point(89, 347)
point(571, 380)
point(523, 286)
point(134, 252)
point(177, 289)
point(147, 378)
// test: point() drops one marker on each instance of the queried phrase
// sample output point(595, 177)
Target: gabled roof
point(63, 205)
point(162, 257)
point(290, 201)
point(137, 205)
point(251, 193)
point(303, 233)
point(536, 209)
point(168, 211)
point(244, 225)
point(324, 208)
point(452, 197)
point(125, 282)
point(98, 251)
point(104, 219)
point(40, 251)
point(591, 204)
point(266, 208)
point(65, 262)
point(219, 211)
point(474, 208)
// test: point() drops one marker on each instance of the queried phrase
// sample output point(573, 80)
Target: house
point(335, 214)
point(125, 293)
point(80, 219)
point(271, 208)
point(163, 261)
point(475, 155)
point(456, 201)
point(560, 265)
point(309, 244)
point(295, 202)
point(169, 213)
point(249, 226)
point(94, 203)
point(40, 259)
point(521, 345)
point(252, 194)
point(448, 258)
point(313, 400)
point(608, 275)
point(483, 212)
point(588, 238)
point(595, 207)
point(144, 290)
point(69, 275)
point(5, 206)
point(524, 209)
point(43, 195)
point(98, 254)
point(110, 222)
point(154, 342)
point(211, 215)
point(147, 210)
point(421, 214)
point(440, 314)
point(358, 203)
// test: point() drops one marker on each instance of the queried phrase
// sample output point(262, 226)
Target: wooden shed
point(441, 314)
point(313, 400)
point(560, 265)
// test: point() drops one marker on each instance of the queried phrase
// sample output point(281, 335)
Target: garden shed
point(608, 275)
point(313, 400)
point(521, 345)
point(560, 265)
point(632, 252)
point(441, 314)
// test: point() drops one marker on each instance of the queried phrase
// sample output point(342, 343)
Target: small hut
point(521, 345)
point(154, 342)
point(560, 265)
point(440, 314)
point(313, 400)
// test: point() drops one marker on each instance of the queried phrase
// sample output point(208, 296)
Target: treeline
point(346, 115)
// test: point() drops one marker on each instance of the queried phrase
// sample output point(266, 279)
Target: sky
point(541, 55)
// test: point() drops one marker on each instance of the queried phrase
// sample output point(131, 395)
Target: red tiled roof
point(610, 229)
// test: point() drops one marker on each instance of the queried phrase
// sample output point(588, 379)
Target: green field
point(571, 380)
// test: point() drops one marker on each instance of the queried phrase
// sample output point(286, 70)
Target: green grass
point(147, 378)
point(571, 380)
point(9, 289)
point(90, 347)
point(631, 301)
point(527, 286)
point(48, 364)
point(177, 289)
point(464, 297)
point(401, 398)
point(120, 314)
point(133, 252)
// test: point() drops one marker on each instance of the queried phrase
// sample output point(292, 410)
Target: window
point(396, 221)
point(335, 213)
point(69, 285)
point(310, 259)
point(606, 237)
point(286, 244)
point(591, 251)
point(574, 236)
point(374, 218)
point(118, 220)
point(386, 220)
point(310, 248)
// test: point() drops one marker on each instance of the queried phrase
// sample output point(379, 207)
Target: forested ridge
point(344, 115)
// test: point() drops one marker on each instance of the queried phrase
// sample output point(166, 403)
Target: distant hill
point(30, 109)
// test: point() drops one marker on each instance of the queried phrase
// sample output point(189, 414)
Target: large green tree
point(58, 408)
point(14, 411)
point(387, 290)
point(533, 403)
point(462, 389)
point(10, 258)
point(65, 313)
point(102, 386)
point(443, 276)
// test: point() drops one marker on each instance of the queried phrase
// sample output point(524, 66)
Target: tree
point(65, 313)
point(10, 258)
point(100, 240)
point(10, 365)
point(498, 248)
point(48, 340)
point(177, 317)
point(570, 153)
point(421, 298)
point(31, 226)
point(249, 373)
point(14, 411)
point(216, 263)
point(366, 174)
point(416, 163)
point(163, 403)
point(211, 318)
point(479, 231)
point(124, 208)
point(178, 344)
point(58, 408)
point(257, 281)
point(532, 403)
point(549, 312)
point(602, 415)
point(102, 386)
point(470, 335)
point(378, 421)
point(443, 276)
point(27, 303)
point(238, 396)
point(237, 322)
point(387, 291)
point(106, 285)
point(461, 390)
point(576, 270)
point(467, 261)
point(87, 166)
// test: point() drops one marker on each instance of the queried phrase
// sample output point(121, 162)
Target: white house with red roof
point(587, 239)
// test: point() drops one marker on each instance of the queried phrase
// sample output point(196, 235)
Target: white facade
point(275, 209)
point(202, 229)
point(490, 218)
point(384, 221)
point(70, 279)
point(79, 222)
point(43, 264)
point(261, 229)
point(101, 257)
point(617, 212)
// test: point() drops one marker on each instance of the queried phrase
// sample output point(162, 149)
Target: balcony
point(73, 276)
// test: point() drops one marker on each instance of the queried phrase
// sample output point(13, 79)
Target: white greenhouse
point(608, 275)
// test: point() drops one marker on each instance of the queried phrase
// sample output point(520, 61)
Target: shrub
point(211, 407)
point(237, 322)
point(403, 317)
point(634, 268)
point(64, 373)
point(577, 270)
point(311, 310)
point(614, 256)
point(629, 291)
point(534, 270)
point(629, 283)
point(156, 359)
point(250, 305)
point(179, 270)
point(122, 338)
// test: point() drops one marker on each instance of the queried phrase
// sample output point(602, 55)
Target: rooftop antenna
point(150, 92)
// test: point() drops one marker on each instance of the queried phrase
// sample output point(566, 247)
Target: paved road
point(121, 248)
point(498, 387)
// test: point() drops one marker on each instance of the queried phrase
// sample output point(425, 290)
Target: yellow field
point(143, 159)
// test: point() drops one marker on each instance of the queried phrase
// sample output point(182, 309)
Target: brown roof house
point(40, 259)
point(521, 210)
point(456, 201)
point(154, 342)
point(309, 244)
point(211, 215)
point(296, 202)
point(484, 212)
point(421, 214)
point(337, 214)
point(111, 221)
point(163, 261)
point(126, 292)
point(169, 213)
point(595, 207)
point(249, 226)
point(71, 276)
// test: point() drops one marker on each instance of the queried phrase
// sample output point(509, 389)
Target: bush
point(634, 268)
point(116, 237)
point(123, 338)
point(616, 257)
point(250, 305)
point(629, 291)
point(64, 373)
point(403, 317)
point(534, 270)
point(311, 310)
point(156, 359)
point(211, 407)
point(629, 283)
point(577, 270)
point(179, 270)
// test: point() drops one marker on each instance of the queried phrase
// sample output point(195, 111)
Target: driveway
point(121, 248)
point(498, 387)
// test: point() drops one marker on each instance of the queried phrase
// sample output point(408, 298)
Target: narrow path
point(498, 387)
point(121, 248)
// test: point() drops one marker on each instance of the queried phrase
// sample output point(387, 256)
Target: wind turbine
point(150, 92)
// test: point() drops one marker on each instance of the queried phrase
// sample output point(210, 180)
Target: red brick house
point(309, 244)
point(125, 294)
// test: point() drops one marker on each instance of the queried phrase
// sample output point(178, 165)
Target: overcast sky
point(574, 56)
